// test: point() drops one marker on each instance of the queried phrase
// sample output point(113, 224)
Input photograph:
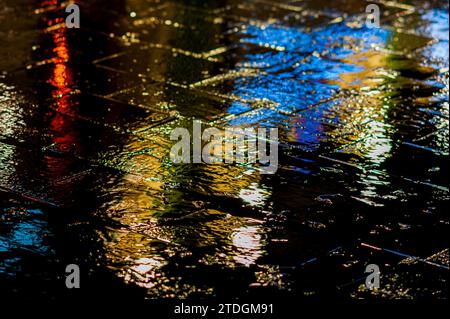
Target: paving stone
point(85, 171)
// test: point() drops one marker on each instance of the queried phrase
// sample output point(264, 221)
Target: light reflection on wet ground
point(85, 119)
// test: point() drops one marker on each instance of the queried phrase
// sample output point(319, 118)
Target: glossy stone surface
point(85, 176)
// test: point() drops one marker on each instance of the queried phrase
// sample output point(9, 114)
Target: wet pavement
point(85, 174)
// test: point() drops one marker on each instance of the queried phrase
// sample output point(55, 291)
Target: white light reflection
point(254, 195)
point(247, 241)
